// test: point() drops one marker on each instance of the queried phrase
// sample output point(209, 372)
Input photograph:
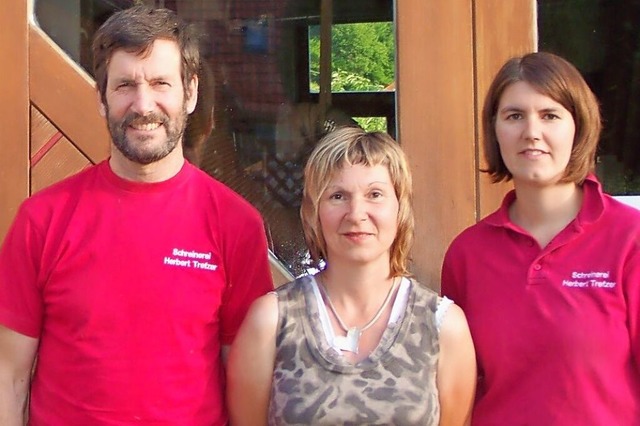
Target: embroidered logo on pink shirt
point(589, 279)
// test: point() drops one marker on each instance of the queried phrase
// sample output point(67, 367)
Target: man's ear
point(102, 109)
point(192, 94)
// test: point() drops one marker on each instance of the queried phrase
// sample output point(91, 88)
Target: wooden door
point(49, 116)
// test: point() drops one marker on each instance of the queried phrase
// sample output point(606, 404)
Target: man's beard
point(136, 150)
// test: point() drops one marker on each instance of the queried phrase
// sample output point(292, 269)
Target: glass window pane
point(256, 119)
point(602, 38)
point(362, 57)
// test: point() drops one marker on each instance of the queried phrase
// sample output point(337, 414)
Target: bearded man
point(129, 280)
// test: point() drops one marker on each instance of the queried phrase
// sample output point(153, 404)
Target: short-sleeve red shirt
point(131, 289)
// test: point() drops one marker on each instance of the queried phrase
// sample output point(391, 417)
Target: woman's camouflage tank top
point(314, 385)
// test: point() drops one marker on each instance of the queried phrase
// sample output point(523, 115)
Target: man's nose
point(143, 102)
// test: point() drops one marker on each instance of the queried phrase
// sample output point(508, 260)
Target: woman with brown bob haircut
point(360, 342)
point(557, 79)
point(550, 281)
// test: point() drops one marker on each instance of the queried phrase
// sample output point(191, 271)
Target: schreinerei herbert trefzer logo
point(190, 259)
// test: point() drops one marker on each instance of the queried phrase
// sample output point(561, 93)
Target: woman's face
point(359, 215)
point(535, 135)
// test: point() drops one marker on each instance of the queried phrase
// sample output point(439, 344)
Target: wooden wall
point(14, 111)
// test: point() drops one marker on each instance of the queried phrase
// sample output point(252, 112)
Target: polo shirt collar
point(593, 201)
point(593, 205)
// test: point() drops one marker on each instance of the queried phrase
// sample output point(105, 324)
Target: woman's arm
point(250, 364)
point(457, 373)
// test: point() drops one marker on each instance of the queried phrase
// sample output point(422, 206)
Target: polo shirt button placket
point(535, 276)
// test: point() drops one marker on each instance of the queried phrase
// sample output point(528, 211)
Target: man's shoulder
point(44, 209)
point(67, 187)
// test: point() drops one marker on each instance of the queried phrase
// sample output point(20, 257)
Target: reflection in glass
point(602, 38)
point(362, 57)
point(257, 119)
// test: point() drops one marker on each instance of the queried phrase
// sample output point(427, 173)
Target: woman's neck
point(545, 211)
point(362, 285)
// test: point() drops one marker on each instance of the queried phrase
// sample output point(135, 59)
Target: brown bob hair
point(134, 30)
point(349, 146)
point(558, 79)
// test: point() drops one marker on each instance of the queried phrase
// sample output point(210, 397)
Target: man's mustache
point(137, 119)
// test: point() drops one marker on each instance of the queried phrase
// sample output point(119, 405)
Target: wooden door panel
point(14, 110)
point(53, 156)
point(42, 131)
point(66, 95)
point(436, 123)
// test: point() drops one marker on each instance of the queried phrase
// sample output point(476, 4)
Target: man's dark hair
point(135, 30)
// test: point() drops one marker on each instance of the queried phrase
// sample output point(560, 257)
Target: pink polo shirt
point(555, 329)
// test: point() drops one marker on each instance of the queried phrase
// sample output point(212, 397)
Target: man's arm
point(248, 273)
point(17, 353)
